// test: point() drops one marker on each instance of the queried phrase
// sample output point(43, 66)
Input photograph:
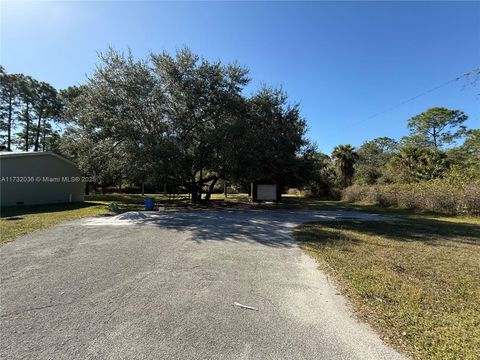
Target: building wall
point(267, 192)
point(39, 179)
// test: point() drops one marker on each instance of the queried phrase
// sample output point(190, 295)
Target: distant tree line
point(29, 113)
point(438, 142)
point(182, 122)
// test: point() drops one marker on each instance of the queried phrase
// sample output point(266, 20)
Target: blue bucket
point(149, 203)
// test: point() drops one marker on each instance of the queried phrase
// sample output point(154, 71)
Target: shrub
point(457, 193)
point(356, 193)
point(113, 207)
point(331, 193)
point(294, 191)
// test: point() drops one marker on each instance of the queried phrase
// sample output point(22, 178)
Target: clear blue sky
point(344, 62)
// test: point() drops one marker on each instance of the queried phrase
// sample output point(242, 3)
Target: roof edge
point(7, 154)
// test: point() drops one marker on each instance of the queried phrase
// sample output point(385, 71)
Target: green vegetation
point(20, 220)
point(30, 107)
point(419, 172)
point(16, 221)
point(345, 158)
point(415, 279)
point(178, 122)
point(182, 124)
point(437, 127)
point(436, 168)
point(456, 193)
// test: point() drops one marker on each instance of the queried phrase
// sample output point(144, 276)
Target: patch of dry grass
point(415, 280)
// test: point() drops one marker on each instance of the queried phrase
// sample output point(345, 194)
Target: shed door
point(267, 192)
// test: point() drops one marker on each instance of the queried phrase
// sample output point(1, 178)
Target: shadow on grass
point(125, 202)
point(14, 212)
point(428, 231)
point(13, 218)
point(134, 198)
point(319, 204)
point(241, 201)
point(316, 234)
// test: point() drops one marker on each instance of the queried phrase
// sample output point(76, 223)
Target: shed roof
point(14, 154)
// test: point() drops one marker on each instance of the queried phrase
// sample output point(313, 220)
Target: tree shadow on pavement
point(270, 228)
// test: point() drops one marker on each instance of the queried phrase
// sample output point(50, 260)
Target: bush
point(294, 191)
point(359, 193)
point(457, 193)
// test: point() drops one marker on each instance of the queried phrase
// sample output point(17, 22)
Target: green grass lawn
point(294, 201)
point(16, 221)
point(20, 220)
point(416, 280)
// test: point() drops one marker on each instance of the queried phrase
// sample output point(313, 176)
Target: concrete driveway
point(143, 286)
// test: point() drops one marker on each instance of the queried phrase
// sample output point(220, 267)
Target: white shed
point(266, 190)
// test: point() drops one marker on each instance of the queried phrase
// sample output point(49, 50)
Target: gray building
point(29, 178)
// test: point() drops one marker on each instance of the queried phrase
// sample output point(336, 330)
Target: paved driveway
point(164, 287)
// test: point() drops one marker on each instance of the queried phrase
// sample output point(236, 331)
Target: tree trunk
point(143, 188)
point(44, 134)
point(200, 185)
point(27, 126)
point(225, 189)
point(9, 130)
point(210, 189)
point(37, 134)
point(193, 189)
point(195, 193)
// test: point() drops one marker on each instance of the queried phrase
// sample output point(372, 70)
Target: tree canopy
point(183, 121)
point(345, 157)
point(437, 127)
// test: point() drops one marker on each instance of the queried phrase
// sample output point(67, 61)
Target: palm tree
point(414, 163)
point(345, 158)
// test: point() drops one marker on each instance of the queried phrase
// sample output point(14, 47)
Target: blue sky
point(344, 62)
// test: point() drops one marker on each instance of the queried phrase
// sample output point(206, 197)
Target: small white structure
point(266, 190)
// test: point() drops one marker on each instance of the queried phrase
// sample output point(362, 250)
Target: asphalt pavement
point(170, 286)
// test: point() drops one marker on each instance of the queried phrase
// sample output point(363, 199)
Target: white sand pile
point(131, 215)
point(128, 218)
